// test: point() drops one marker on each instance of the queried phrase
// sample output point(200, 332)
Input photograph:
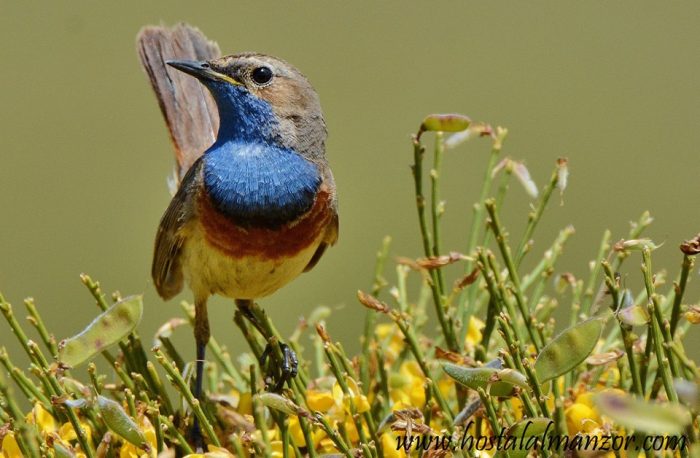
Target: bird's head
point(262, 98)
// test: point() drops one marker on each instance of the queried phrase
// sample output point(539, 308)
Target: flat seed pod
point(445, 123)
point(278, 402)
point(530, 427)
point(119, 422)
point(107, 329)
point(62, 452)
point(568, 349)
point(527, 432)
point(640, 415)
point(502, 381)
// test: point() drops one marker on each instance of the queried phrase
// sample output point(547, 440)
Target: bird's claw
point(287, 369)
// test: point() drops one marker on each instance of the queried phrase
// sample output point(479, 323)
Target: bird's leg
point(288, 363)
point(201, 336)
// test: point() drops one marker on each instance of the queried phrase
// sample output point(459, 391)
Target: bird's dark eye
point(261, 75)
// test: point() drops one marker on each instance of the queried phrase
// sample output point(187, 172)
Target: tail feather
point(189, 111)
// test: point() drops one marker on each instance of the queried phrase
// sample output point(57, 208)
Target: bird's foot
point(287, 369)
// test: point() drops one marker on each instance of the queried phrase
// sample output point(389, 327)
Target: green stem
point(468, 301)
point(38, 323)
point(435, 204)
point(535, 217)
point(545, 268)
point(445, 322)
point(490, 410)
point(30, 390)
point(179, 383)
point(587, 301)
point(478, 213)
point(371, 316)
point(175, 432)
point(333, 435)
point(653, 298)
point(686, 268)
point(537, 389)
point(340, 375)
point(663, 362)
point(9, 407)
point(412, 342)
point(259, 412)
point(627, 338)
point(47, 371)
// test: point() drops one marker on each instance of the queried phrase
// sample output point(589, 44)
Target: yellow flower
point(473, 336)
point(610, 377)
point(67, 433)
point(298, 435)
point(217, 452)
point(350, 427)
point(389, 446)
point(354, 396)
point(277, 451)
point(245, 404)
point(390, 339)
point(581, 418)
point(550, 400)
point(42, 418)
point(517, 408)
point(585, 398)
point(129, 450)
point(214, 452)
point(407, 386)
point(319, 400)
point(400, 405)
point(446, 386)
point(600, 433)
point(9, 447)
point(327, 446)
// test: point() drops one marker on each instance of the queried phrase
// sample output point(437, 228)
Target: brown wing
point(188, 109)
point(167, 267)
point(330, 238)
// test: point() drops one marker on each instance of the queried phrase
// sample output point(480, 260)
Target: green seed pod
point(120, 423)
point(568, 349)
point(73, 386)
point(62, 452)
point(640, 415)
point(445, 123)
point(502, 381)
point(278, 402)
point(526, 432)
point(108, 328)
point(530, 427)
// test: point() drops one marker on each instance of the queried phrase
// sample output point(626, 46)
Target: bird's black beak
point(200, 70)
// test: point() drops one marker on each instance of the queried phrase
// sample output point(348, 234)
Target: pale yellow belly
point(208, 271)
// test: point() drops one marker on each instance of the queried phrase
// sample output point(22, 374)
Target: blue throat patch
point(258, 185)
point(249, 177)
point(243, 116)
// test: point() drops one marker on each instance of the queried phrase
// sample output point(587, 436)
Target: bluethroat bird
point(255, 204)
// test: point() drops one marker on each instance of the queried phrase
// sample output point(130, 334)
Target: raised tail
point(188, 109)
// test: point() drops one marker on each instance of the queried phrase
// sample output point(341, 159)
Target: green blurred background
point(85, 155)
